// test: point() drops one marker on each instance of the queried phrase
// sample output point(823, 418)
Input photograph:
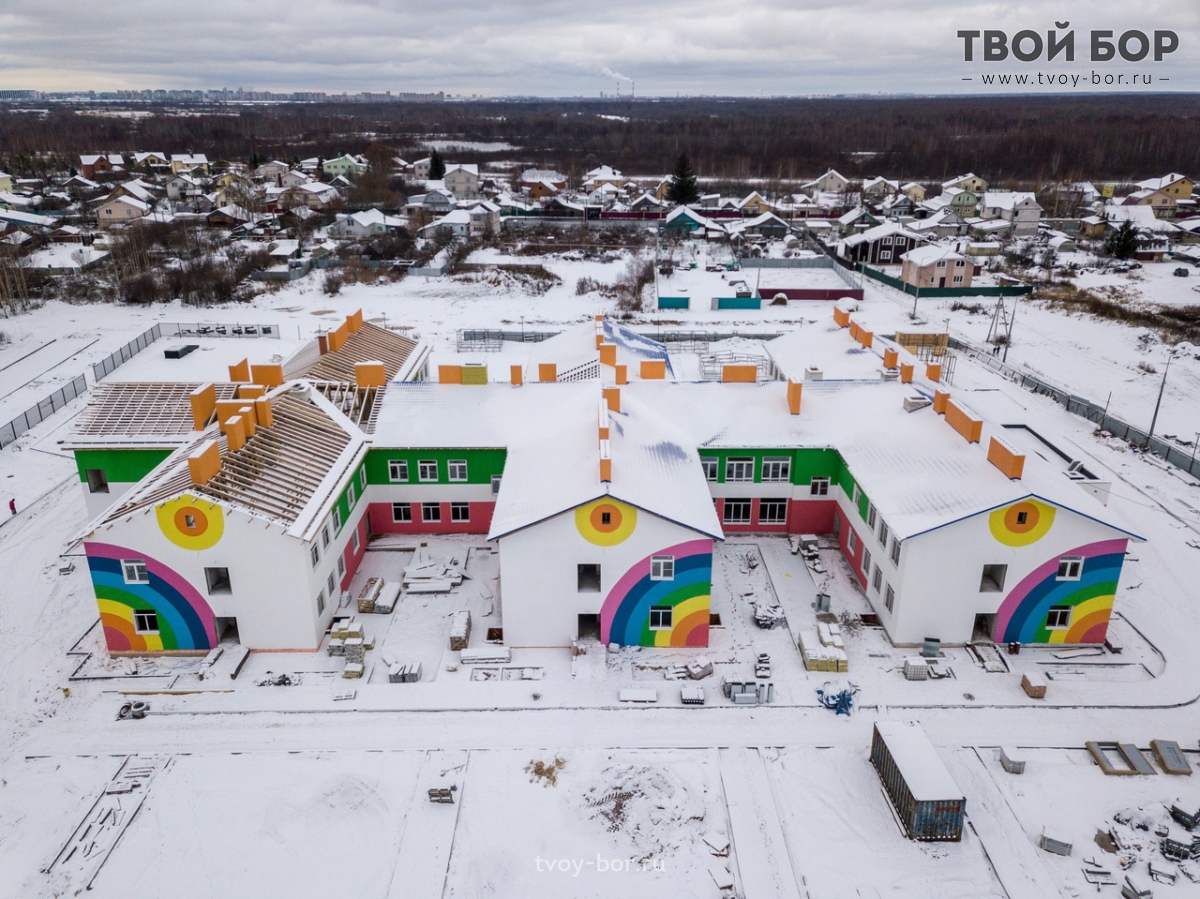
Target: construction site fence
point(1020, 290)
point(1173, 454)
point(36, 414)
point(115, 360)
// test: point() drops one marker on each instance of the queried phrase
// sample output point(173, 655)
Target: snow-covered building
point(603, 479)
point(936, 266)
point(1019, 208)
point(882, 245)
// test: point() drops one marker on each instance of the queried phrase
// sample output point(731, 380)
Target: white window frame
point(662, 568)
point(855, 495)
point(325, 535)
point(139, 617)
point(776, 502)
point(819, 487)
point(135, 571)
point(731, 503)
point(351, 497)
point(341, 566)
point(1074, 566)
point(431, 513)
point(711, 467)
point(407, 507)
point(452, 472)
point(330, 582)
point(884, 531)
point(314, 553)
point(455, 508)
point(362, 478)
point(872, 514)
point(738, 463)
point(321, 603)
point(777, 468)
point(866, 561)
point(1065, 625)
point(851, 541)
point(354, 541)
point(889, 597)
point(496, 479)
point(337, 519)
point(398, 470)
point(895, 551)
point(665, 617)
point(877, 580)
point(422, 476)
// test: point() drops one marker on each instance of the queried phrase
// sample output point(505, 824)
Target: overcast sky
point(557, 47)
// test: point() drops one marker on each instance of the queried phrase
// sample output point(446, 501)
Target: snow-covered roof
point(878, 232)
point(923, 256)
point(955, 182)
point(1161, 183)
point(1007, 199)
point(469, 168)
point(138, 413)
point(1142, 216)
point(923, 771)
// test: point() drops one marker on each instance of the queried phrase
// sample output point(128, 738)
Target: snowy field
point(289, 791)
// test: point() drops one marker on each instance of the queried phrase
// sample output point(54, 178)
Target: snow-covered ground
point(277, 790)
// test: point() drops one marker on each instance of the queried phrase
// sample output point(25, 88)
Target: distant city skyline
point(461, 47)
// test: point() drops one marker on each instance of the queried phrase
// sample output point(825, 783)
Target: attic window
point(606, 517)
point(588, 578)
point(1022, 517)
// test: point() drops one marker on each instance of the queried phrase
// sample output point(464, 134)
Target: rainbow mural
point(185, 621)
point(1022, 615)
point(625, 615)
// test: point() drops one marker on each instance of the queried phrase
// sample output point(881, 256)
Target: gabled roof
point(1160, 183)
point(370, 343)
point(1007, 199)
point(928, 255)
point(878, 233)
point(470, 168)
point(138, 413)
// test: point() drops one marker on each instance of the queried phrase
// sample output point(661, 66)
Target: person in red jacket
point(12, 506)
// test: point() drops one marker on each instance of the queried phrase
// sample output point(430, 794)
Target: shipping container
point(927, 801)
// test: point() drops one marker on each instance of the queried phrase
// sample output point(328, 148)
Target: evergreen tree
point(684, 189)
point(437, 166)
point(1122, 243)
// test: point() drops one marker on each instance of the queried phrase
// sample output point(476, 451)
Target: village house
point(368, 223)
point(150, 160)
point(913, 191)
point(936, 266)
point(1161, 202)
point(547, 177)
point(831, 182)
point(184, 187)
point(311, 194)
point(101, 164)
point(969, 181)
point(878, 188)
point(462, 180)
point(196, 163)
point(602, 175)
point(345, 166)
point(1174, 185)
point(1019, 208)
point(540, 190)
point(882, 245)
point(6, 183)
point(270, 171)
point(120, 211)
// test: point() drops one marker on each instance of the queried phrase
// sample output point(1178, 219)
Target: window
point(218, 580)
point(337, 518)
point(1070, 568)
point(871, 515)
point(96, 481)
point(941, 263)
point(362, 478)
point(330, 582)
point(588, 577)
point(851, 542)
point(341, 566)
point(189, 521)
point(145, 622)
point(885, 255)
point(402, 513)
point(135, 571)
point(883, 533)
point(772, 511)
point(895, 551)
point(818, 487)
point(397, 470)
point(427, 470)
point(431, 512)
point(662, 568)
point(837, 524)
point(456, 469)
point(958, 279)
point(887, 241)
point(993, 578)
point(354, 544)
point(321, 603)
point(709, 465)
point(316, 555)
point(777, 469)
point(325, 535)
point(1022, 517)
point(739, 470)
point(889, 597)
point(1058, 618)
point(460, 511)
point(737, 511)
point(877, 581)
point(866, 561)
point(495, 484)
point(660, 618)
point(351, 498)
point(854, 495)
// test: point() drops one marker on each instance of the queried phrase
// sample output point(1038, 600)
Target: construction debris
point(368, 594)
point(768, 615)
point(841, 701)
point(820, 656)
point(486, 655)
point(399, 673)
point(429, 575)
point(1049, 844)
point(1170, 757)
point(1119, 758)
point(1034, 684)
point(1010, 762)
point(691, 695)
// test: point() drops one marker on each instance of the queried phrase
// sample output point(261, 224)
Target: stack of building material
point(490, 655)
point(762, 667)
point(460, 630)
point(1011, 761)
point(1034, 684)
point(1185, 814)
point(1136, 887)
point(1171, 758)
point(429, 575)
point(1177, 844)
point(400, 673)
point(386, 598)
point(768, 615)
point(700, 668)
point(819, 656)
point(336, 646)
point(1050, 844)
point(353, 670)
point(354, 650)
point(830, 634)
point(916, 668)
point(368, 595)
point(692, 695)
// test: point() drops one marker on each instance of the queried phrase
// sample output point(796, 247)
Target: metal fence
point(43, 410)
point(219, 329)
point(1083, 407)
point(821, 261)
point(115, 360)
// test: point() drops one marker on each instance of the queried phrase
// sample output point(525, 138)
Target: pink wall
point(479, 523)
point(354, 559)
point(803, 517)
point(854, 558)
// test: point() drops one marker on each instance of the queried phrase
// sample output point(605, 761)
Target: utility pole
point(1161, 387)
point(1012, 323)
